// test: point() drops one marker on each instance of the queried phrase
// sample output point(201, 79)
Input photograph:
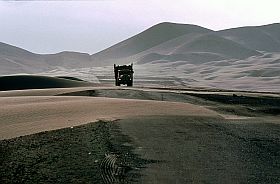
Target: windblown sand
point(27, 115)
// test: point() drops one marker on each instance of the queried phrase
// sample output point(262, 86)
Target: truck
point(123, 74)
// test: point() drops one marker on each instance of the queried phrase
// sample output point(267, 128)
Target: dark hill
point(20, 82)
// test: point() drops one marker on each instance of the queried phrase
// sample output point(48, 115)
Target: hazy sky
point(90, 26)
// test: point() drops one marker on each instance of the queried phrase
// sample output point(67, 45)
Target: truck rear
point(123, 74)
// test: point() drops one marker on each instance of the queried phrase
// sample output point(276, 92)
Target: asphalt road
point(206, 150)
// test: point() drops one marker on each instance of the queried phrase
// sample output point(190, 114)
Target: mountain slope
point(262, 38)
point(197, 49)
point(12, 51)
point(16, 60)
point(152, 37)
point(214, 44)
point(273, 30)
point(188, 42)
point(68, 59)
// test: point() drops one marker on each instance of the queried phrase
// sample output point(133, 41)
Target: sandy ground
point(27, 115)
point(25, 112)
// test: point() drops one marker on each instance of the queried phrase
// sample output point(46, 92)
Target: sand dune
point(28, 115)
point(21, 82)
point(41, 92)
